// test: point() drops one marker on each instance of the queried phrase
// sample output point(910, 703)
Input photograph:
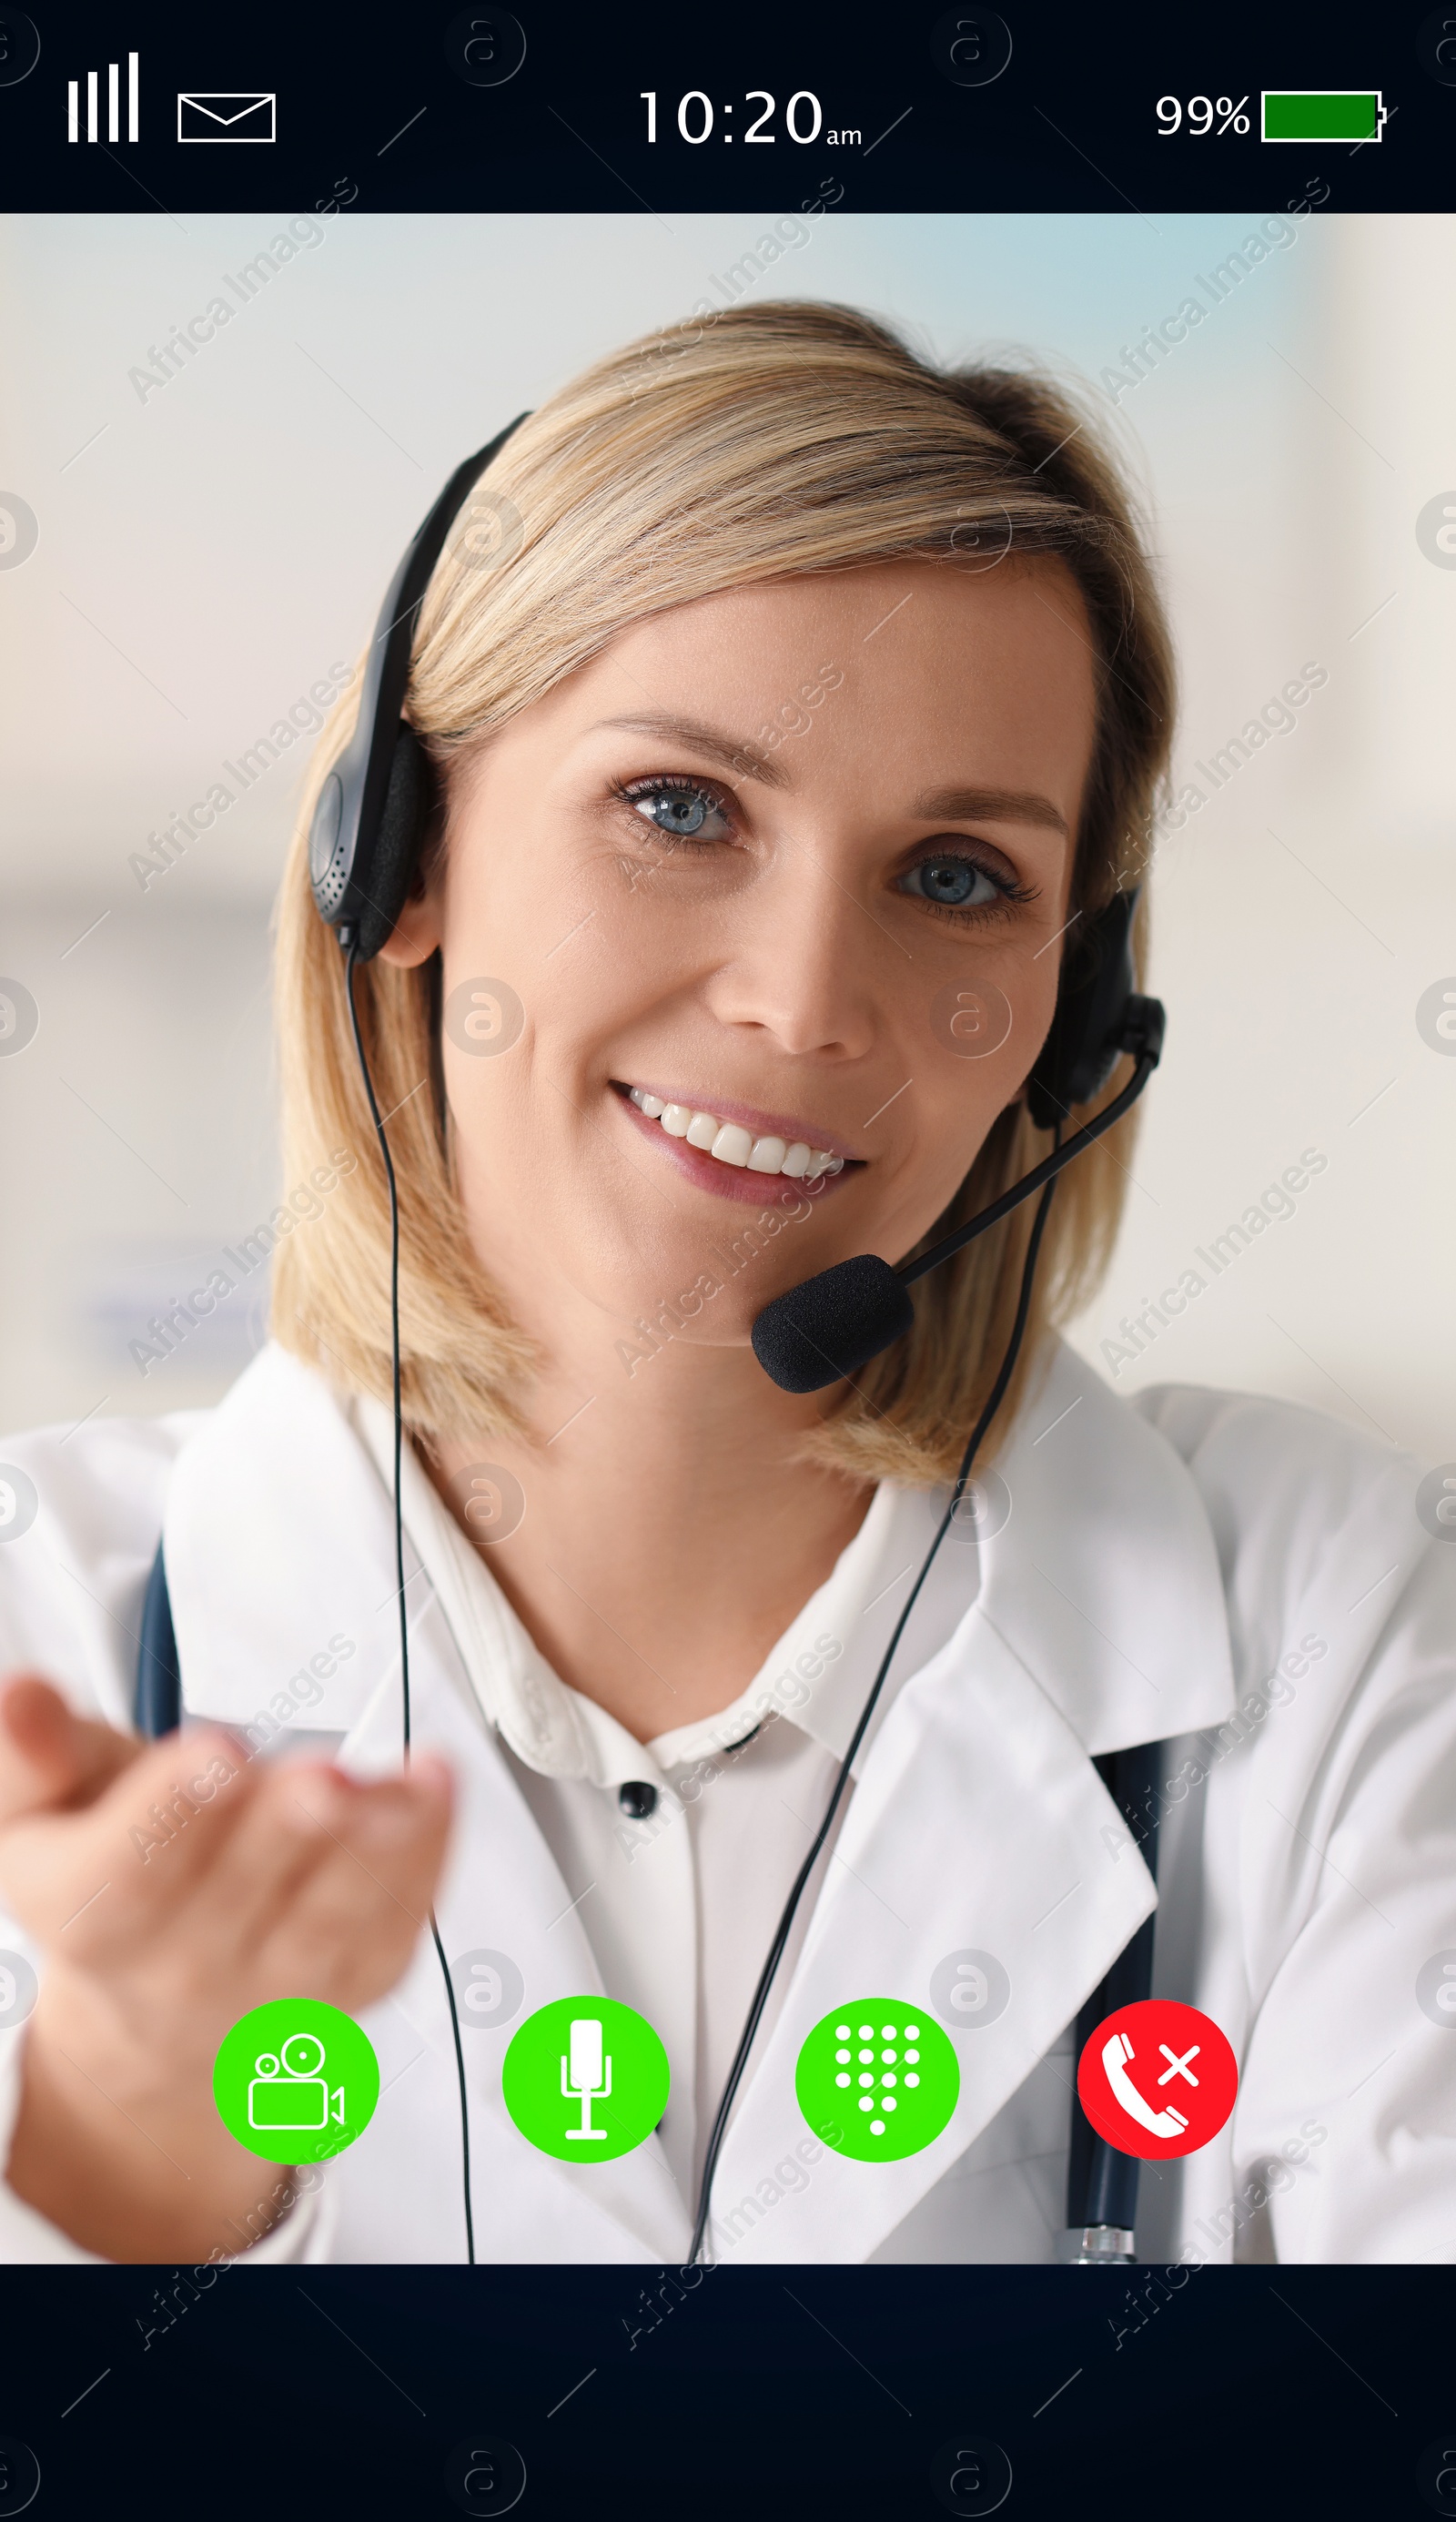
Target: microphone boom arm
point(1142, 1036)
point(831, 1325)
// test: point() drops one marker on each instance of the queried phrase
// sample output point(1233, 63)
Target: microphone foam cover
point(832, 1324)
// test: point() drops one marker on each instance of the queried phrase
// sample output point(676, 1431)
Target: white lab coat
point(1161, 1564)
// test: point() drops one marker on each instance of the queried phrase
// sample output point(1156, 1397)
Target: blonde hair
point(769, 442)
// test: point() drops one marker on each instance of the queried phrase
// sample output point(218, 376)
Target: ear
point(416, 933)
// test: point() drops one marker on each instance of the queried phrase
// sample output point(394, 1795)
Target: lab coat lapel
point(978, 1821)
point(1103, 1577)
point(279, 1542)
point(979, 1824)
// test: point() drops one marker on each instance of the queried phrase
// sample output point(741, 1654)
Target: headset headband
point(367, 826)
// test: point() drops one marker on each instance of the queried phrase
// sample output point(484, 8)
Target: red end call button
point(1157, 2079)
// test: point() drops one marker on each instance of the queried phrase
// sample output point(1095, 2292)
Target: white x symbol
point(1178, 2066)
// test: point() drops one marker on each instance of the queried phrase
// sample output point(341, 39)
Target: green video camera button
point(298, 2069)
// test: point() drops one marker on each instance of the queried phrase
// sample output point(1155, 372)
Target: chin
point(711, 1296)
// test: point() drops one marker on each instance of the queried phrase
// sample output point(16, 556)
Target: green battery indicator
point(1321, 114)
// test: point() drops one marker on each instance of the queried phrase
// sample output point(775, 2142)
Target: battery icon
point(1321, 114)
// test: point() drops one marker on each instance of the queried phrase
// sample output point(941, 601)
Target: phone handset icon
point(1115, 2053)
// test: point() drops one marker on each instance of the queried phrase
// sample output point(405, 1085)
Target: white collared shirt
point(680, 1909)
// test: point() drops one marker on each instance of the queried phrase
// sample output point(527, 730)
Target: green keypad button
point(877, 2080)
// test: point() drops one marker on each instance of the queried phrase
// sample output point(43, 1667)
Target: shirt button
point(637, 1798)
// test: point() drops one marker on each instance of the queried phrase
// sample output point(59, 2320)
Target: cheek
point(981, 1030)
point(541, 962)
point(487, 1100)
point(977, 1042)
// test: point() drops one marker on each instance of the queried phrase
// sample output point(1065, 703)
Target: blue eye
point(958, 883)
point(678, 809)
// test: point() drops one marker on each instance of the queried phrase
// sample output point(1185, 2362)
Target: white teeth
point(733, 1145)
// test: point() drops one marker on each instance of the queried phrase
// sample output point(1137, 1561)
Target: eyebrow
point(953, 805)
point(988, 804)
point(733, 753)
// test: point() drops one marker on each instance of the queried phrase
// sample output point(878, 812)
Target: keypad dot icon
point(877, 2082)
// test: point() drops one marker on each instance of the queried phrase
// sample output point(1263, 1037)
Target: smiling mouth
point(734, 1146)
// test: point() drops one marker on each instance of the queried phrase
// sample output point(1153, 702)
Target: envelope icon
point(211, 117)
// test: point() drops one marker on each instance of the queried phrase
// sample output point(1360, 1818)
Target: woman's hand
point(173, 1886)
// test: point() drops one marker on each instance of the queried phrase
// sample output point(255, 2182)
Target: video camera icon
point(270, 2078)
point(289, 2093)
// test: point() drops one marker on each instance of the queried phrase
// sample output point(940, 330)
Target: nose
point(810, 959)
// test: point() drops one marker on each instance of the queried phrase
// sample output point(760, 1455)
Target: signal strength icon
point(112, 102)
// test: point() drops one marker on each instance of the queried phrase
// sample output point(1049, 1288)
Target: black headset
point(369, 822)
point(364, 849)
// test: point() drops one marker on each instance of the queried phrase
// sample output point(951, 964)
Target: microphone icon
point(586, 2077)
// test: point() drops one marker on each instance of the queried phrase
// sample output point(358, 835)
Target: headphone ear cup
point(1078, 1056)
point(394, 861)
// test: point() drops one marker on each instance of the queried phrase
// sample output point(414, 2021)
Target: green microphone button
point(585, 2079)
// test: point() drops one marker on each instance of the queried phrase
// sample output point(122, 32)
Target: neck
point(670, 1534)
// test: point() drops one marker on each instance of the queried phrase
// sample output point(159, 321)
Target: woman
point(804, 698)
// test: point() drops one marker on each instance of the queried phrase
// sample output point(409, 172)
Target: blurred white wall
point(206, 555)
